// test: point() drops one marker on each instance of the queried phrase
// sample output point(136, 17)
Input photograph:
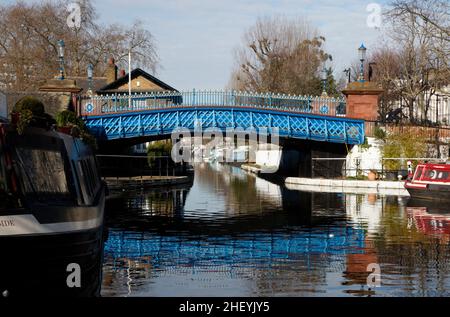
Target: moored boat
point(51, 212)
point(430, 183)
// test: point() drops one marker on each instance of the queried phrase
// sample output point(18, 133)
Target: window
point(43, 173)
point(7, 199)
point(431, 174)
point(418, 173)
point(443, 176)
point(90, 177)
point(436, 175)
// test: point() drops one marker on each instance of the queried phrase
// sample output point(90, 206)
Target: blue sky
point(196, 38)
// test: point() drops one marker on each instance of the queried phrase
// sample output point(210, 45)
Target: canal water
point(235, 234)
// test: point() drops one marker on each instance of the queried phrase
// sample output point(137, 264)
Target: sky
point(196, 39)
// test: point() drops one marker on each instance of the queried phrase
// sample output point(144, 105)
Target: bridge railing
point(122, 103)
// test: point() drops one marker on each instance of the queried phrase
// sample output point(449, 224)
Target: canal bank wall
point(347, 186)
point(143, 182)
point(336, 185)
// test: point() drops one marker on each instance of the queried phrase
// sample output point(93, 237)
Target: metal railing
point(431, 133)
point(358, 168)
point(120, 103)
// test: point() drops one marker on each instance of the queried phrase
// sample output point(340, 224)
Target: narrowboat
point(51, 213)
point(430, 183)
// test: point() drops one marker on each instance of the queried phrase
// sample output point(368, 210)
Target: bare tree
point(419, 33)
point(386, 72)
point(30, 32)
point(280, 55)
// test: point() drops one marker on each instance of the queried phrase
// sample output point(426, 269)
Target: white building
point(438, 110)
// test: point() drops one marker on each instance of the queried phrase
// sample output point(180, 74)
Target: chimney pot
point(122, 73)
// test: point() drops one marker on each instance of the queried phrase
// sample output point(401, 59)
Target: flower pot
point(65, 130)
point(372, 176)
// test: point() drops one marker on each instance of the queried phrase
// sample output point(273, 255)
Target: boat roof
point(435, 166)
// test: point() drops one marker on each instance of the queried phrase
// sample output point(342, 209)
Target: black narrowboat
point(52, 203)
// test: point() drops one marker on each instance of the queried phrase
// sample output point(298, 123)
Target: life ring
point(433, 174)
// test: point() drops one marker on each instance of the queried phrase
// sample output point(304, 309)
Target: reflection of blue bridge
point(158, 114)
point(229, 250)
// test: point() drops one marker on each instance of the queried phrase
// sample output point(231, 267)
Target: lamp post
point(129, 78)
point(348, 72)
point(90, 73)
point(362, 57)
point(323, 77)
point(61, 47)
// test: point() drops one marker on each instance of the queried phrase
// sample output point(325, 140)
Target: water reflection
point(234, 234)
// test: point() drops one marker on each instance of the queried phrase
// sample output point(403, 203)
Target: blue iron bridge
point(113, 117)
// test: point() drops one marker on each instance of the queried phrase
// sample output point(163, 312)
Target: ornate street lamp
point(362, 57)
point(348, 72)
point(90, 73)
point(323, 77)
point(61, 47)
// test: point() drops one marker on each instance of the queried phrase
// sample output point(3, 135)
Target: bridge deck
point(303, 117)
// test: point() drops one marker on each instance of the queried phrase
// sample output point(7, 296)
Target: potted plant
point(373, 175)
point(27, 111)
point(66, 121)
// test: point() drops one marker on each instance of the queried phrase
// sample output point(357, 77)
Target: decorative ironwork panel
point(187, 118)
point(318, 129)
point(224, 118)
point(299, 126)
point(243, 119)
point(282, 123)
point(261, 120)
point(207, 118)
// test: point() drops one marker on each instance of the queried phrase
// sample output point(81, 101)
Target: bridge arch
point(160, 123)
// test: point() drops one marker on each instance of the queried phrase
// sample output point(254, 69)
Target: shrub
point(24, 120)
point(30, 111)
point(158, 148)
point(379, 133)
point(402, 145)
point(30, 103)
point(68, 118)
point(365, 145)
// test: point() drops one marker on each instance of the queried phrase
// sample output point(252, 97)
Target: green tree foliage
point(30, 111)
point(379, 133)
point(30, 103)
point(331, 86)
point(158, 148)
point(402, 145)
point(69, 119)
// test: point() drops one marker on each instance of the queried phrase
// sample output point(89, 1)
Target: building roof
point(83, 82)
point(112, 87)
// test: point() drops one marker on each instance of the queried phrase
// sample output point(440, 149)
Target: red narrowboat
point(430, 182)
